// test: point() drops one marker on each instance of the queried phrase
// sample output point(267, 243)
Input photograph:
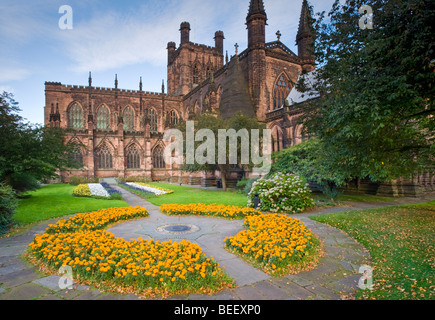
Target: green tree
point(29, 152)
point(215, 123)
point(375, 117)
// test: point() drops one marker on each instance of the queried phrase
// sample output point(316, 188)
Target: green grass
point(186, 195)
point(365, 198)
point(54, 201)
point(401, 241)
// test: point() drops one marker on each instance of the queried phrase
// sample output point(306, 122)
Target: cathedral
point(121, 131)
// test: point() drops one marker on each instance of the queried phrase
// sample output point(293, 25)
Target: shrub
point(8, 205)
point(75, 181)
point(22, 182)
point(281, 193)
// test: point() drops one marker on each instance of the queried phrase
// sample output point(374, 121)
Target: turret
point(185, 32)
point(219, 41)
point(256, 24)
point(171, 51)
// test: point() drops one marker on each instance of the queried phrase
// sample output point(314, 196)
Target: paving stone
point(348, 284)
point(50, 297)
point(12, 268)
point(323, 293)
point(12, 251)
point(50, 282)
point(19, 277)
point(201, 297)
point(248, 293)
point(299, 280)
point(270, 290)
point(25, 292)
point(89, 295)
point(295, 291)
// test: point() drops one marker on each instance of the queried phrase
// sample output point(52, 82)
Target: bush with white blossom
point(281, 193)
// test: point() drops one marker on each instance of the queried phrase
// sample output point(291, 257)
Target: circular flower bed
point(213, 210)
point(281, 193)
point(140, 266)
point(276, 243)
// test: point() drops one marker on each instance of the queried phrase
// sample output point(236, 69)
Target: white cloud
point(113, 40)
point(13, 74)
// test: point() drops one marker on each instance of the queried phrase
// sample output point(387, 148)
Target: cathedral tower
point(256, 56)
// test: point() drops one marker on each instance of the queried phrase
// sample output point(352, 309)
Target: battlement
point(203, 46)
point(95, 90)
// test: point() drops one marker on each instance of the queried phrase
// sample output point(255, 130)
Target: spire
point(163, 85)
point(256, 7)
point(90, 79)
point(304, 22)
point(116, 81)
point(305, 37)
point(140, 84)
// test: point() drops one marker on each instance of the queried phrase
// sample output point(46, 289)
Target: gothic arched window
point(103, 118)
point(209, 71)
point(158, 158)
point(75, 116)
point(76, 156)
point(153, 120)
point(104, 158)
point(281, 91)
point(173, 118)
point(196, 74)
point(133, 158)
point(128, 119)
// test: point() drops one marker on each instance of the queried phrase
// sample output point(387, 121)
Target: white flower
point(148, 189)
point(98, 190)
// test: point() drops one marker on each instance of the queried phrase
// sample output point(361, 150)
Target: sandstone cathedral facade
point(121, 130)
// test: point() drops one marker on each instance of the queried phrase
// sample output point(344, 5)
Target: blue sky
point(127, 38)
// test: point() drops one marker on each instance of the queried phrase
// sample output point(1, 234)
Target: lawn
point(56, 200)
point(401, 242)
point(187, 195)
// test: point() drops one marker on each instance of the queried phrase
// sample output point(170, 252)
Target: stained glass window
point(128, 119)
point(103, 118)
point(281, 91)
point(158, 158)
point(75, 116)
point(104, 158)
point(133, 158)
point(153, 120)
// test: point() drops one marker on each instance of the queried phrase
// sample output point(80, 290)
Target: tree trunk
point(223, 178)
point(8, 179)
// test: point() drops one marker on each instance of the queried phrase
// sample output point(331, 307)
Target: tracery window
point(173, 118)
point(196, 74)
point(281, 91)
point(133, 158)
point(158, 158)
point(153, 120)
point(104, 158)
point(103, 118)
point(75, 117)
point(76, 156)
point(128, 119)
